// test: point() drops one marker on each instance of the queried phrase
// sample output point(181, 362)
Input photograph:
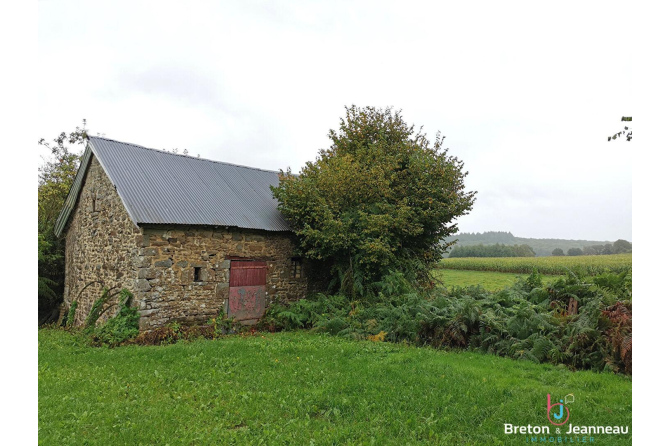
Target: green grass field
point(489, 280)
point(303, 388)
point(589, 265)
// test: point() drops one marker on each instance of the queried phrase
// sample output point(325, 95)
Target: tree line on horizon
point(543, 247)
point(618, 247)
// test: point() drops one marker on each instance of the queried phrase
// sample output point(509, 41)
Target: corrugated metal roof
point(72, 196)
point(160, 187)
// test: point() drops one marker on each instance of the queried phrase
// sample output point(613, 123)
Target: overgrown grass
point(587, 265)
point(491, 281)
point(305, 388)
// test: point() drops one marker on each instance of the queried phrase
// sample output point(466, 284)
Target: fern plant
point(120, 328)
point(524, 321)
point(69, 319)
point(97, 307)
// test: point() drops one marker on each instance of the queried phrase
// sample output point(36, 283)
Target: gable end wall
point(101, 244)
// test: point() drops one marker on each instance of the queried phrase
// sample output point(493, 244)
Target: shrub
point(380, 199)
point(118, 329)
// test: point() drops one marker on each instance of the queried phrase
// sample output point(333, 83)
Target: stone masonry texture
point(101, 244)
point(104, 248)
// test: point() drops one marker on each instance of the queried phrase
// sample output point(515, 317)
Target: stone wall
point(104, 248)
point(166, 290)
point(101, 244)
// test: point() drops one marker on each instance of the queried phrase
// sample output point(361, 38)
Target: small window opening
point(197, 274)
point(296, 268)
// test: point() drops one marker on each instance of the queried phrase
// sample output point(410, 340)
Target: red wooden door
point(246, 301)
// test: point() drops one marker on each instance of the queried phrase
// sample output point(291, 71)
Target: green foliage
point(69, 321)
point(541, 246)
point(496, 250)
point(618, 247)
point(307, 313)
point(575, 252)
point(55, 178)
point(222, 324)
point(529, 321)
point(533, 281)
point(622, 246)
point(557, 252)
point(97, 308)
point(379, 200)
point(118, 329)
point(45, 285)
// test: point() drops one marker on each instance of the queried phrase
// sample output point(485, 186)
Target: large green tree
point(376, 203)
point(55, 177)
point(622, 246)
point(575, 252)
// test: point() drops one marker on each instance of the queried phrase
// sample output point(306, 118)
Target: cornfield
point(555, 265)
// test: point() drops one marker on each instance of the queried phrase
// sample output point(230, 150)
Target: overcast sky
point(525, 94)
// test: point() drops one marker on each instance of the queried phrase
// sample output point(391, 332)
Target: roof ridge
point(184, 156)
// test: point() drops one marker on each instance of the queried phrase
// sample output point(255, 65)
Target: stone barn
point(189, 237)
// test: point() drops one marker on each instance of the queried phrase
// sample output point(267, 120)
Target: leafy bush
point(118, 329)
point(380, 199)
